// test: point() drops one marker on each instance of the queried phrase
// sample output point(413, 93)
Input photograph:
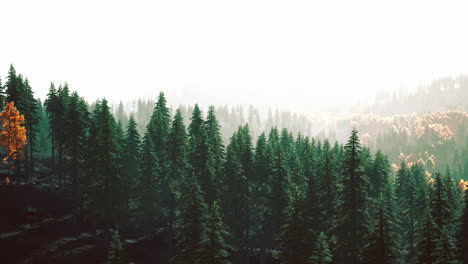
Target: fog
point(301, 56)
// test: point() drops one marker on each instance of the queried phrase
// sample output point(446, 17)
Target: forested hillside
point(174, 191)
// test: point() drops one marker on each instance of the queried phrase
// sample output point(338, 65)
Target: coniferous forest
point(78, 186)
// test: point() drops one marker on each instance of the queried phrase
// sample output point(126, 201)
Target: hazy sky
point(299, 53)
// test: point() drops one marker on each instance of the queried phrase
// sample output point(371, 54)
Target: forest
point(82, 184)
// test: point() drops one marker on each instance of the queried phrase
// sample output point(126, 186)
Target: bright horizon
point(296, 56)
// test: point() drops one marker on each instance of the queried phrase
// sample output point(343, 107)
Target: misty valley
point(144, 182)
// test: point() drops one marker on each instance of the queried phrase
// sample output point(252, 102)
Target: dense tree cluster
point(281, 197)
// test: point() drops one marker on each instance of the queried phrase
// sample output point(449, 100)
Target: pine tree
point(328, 190)
point(406, 201)
point(379, 176)
point(32, 120)
point(321, 253)
point(463, 233)
point(293, 238)
point(191, 222)
point(236, 195)
point(354, 216)
point(215, 142)
point(178, 165)
point(426, 246)
point(116, 252)
point(383, 243)
point(132, 157)
point(279, 198)
point(103, 198)
point(147, 183)
point(213, 248)
point(76, 125)
point(446, 247)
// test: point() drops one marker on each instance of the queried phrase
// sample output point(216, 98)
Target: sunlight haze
point(298, 56)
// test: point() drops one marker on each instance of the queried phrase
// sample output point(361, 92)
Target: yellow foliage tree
point(13, 135)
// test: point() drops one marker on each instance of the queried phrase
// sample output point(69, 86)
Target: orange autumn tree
point(13, 135)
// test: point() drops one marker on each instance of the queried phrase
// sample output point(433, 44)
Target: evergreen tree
point(279, 198)
point(103, 197)
point(406, 201)
point(75, 126)
point(329, 188)
point(379, 176)
point(354, 217)
point(321, 253)
point(191, 224)
point(147, 184)
point(213, 248)
point(236, 196)
point(178, 165)
point(446, 247)
point(132, 157)
point(215, 141)
point(427, 247)
point(382, 243)
point(116, 252)
point(293, 238)
point(463, 233)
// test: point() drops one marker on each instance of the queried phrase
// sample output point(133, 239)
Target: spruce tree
point(328, 190)
point(178, 164)
point(279, 198)
point(235, 197)
point(76, 125)
point(147, 183)
point(214, 248)
point(427, 246)
point(116, 252)
point(353, 213)
point(215, 141)
point(321, 253)
point(103, 196)
point(383, 243)
point(463, 233)
point(293, 238)
point(406, 201)
point(132, 157)
point(191, 223)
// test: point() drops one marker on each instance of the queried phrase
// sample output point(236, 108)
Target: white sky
point(295, 54)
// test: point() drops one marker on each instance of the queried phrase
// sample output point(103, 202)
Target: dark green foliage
point(213, 247)
point(329, 188)
point(75, 126)
point(406, 201)
point(279, 198)
point(383, 243)
point(321, 253)
point(293, 240)
point(116, 252)
point(103, 186)
point(235, 198)
point(215, 142)
point(132, 156)
point(178, 164)
point(191, 224)
point(353, 213)
point(426, 246)
point(463, 233)
point(147, 183)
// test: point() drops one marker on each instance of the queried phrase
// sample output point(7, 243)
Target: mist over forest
point(234, 132)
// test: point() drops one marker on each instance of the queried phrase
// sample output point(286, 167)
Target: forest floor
point(39, 225)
